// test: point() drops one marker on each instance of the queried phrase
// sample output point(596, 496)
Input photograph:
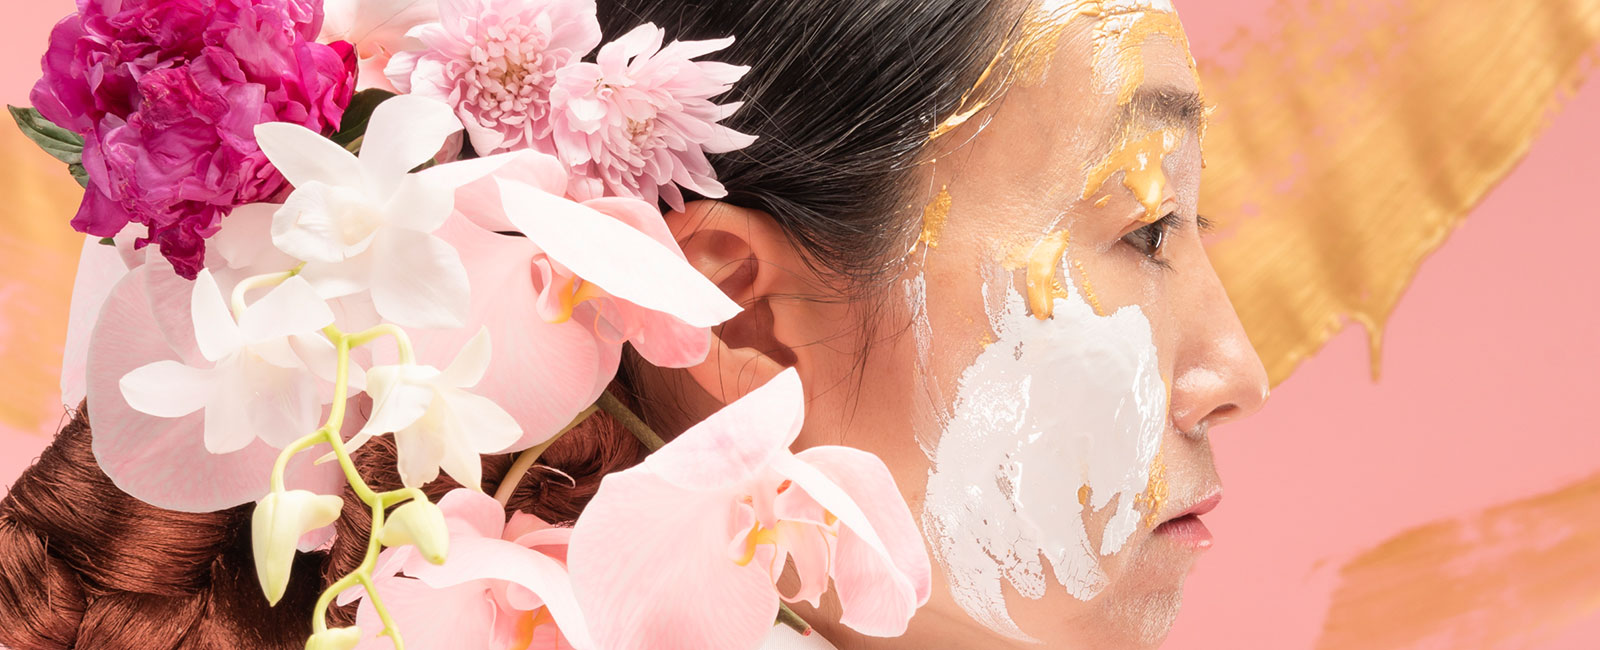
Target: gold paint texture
point(1088, 288)
point(934, 216)
point(1350, 144)
point(1041, 273)
point(1155, 494)
point(38, 261)
point(1140, 158)
point(1501, 578)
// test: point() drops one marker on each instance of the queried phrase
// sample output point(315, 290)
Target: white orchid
point(263, 379)
point(277, 524)
point(436, 422)
point(366, 223)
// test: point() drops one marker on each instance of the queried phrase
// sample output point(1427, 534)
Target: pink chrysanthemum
point(494, 61)
point(639, 121)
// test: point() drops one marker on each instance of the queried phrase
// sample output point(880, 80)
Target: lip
point(1186, 529)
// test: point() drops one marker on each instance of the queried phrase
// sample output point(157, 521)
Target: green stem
point(787, 617)
point(527, 458)
point(615, 408)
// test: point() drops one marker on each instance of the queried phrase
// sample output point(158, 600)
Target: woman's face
point(1044, 377)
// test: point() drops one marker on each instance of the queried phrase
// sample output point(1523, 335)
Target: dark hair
point(842, 94)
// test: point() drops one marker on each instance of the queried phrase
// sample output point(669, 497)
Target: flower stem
point(615, 408)
point(527, 458)
point(787, 617)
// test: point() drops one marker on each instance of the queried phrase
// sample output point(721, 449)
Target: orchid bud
point(339, 638)
point(279, 520)
point(421, 524)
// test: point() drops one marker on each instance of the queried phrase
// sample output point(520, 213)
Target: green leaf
point(356, 116)
point(79, 174)
point(61, 144)
point(107, 241)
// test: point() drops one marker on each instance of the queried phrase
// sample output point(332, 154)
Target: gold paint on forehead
point(1025, 57)
point(934, 216)
point(1334, 170)
point(1041, 273)
point(1140, 159)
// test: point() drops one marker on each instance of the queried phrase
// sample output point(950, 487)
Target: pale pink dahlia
point(639, 121)
point(494, 61)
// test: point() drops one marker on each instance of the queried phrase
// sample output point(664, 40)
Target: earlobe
point(745, 253)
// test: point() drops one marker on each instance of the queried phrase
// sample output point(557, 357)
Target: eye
point(1152, 238)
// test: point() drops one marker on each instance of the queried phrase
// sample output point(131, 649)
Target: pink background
point(1489, 377)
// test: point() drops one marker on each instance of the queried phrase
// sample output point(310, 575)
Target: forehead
point(1081, 71)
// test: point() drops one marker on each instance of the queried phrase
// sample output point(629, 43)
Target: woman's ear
point(747, 255)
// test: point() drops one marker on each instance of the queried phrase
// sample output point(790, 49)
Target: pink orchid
point(377, 29)
point(685, 549)
point(164, 461)
point(561, 300)
point(639, 121)
point(494, 61)
point(503, 587)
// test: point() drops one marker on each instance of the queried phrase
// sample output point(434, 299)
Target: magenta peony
point(167, 93)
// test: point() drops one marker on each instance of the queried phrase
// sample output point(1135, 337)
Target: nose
point(1217, 376)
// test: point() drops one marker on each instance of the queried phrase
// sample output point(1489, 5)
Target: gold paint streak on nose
point(1335, 171)
point(1042, 265)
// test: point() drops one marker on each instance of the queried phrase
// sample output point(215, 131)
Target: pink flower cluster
point(638, 122)
point(167, 94)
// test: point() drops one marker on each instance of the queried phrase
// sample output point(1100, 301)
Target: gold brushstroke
point(1156, 492)
point(934, 216)
point(1139, 157)
point(1336, 169)
point(38, 260)
point(1042, 265)
point(1123, 44)
point(1501, 578)
point(1088, 288)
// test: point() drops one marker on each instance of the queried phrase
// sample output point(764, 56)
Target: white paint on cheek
point(1047, 408)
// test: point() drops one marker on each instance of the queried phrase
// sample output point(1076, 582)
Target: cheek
point(1043, 445)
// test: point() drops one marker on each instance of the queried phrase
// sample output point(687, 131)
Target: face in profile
point(1048, 369)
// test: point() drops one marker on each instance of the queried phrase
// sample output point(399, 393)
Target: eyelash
point(1152, 238)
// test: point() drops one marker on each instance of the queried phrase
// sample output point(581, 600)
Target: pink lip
point(1186, 529)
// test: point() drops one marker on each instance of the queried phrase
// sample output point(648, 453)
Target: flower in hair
point(436, 422)
point(263, 368)
point(725, 506)
point(276, 526)
point(165, 95)
point(505, 584)
point(494, 62)
point(377, 29)
point(639, 121)
point(366, 223)
point(561, 307)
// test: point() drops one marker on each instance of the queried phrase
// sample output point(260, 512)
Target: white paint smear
point(1047, 408)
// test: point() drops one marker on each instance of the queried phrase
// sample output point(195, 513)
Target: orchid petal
point(99, 270)
point(214, 329)
point(542, 373)
point(630, 265)
point(470, 615)
point(245, 239)
point(736, 443)
point(399, 397)
point(682, 590)
point(290, 308)
point(167, 389)
point(490, 427)
point(479, 200)
point(164, 461)
point(418, 204)
point(479, 512)
point(405, 131)
point(494, 559)
point(471, 362)
point(422, 284)
point(304, 156)
point(340, 279)
point(323, 223)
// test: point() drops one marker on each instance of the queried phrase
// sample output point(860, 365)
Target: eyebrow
point(1163, 107)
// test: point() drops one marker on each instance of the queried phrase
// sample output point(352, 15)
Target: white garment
point(784, 637)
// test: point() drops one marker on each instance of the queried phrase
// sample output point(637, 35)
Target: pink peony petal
point(631, 265)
